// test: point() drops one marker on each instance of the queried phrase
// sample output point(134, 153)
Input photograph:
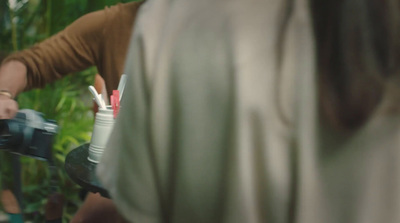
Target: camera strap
point(17, 185)
point(53, 184)
point(17, 189)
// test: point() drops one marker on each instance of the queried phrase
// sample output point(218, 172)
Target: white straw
point(97, 97)
point(121, 85)
point(103, 103)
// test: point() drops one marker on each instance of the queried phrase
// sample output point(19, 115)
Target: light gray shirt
point(219, 124)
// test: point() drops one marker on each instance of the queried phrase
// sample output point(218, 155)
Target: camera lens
point(4, 130)
point(4, 133)
point(10, 134)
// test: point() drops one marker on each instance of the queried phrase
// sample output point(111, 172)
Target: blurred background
point(22, 24)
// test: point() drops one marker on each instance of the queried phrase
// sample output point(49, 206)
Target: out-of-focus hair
point(357, 51)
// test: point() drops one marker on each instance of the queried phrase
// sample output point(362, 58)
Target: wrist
point(13, 77)
point(6, 93)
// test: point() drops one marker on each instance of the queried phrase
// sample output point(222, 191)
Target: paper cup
point(103, 125)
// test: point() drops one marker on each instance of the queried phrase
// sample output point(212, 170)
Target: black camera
point(28, 134)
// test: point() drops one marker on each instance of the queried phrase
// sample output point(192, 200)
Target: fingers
point(9, 202)
point(54, 206)
point(8, 108)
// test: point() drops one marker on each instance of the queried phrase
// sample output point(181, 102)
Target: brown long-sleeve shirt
point(98, 39)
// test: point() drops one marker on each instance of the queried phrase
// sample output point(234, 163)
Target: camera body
point(28, 134)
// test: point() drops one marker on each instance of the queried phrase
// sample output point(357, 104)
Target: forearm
point(12, 81)
point(13, 77)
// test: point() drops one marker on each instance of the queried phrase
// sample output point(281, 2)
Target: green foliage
point(23, 23)
point(61, 101)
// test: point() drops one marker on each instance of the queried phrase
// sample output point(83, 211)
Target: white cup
point(103, 125)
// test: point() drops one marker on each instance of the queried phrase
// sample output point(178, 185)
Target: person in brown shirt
point(98, 39)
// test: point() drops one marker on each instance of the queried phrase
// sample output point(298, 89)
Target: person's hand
point(8, 107)
point(13, 80)
point(54, 206)
point(9, 202)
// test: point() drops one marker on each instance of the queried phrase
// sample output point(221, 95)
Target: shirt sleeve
point(73, 49)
